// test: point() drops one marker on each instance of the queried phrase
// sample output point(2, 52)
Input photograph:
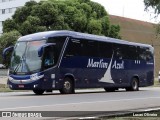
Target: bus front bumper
point(28, 82)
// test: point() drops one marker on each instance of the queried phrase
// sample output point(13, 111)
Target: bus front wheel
point(68, 86)
point(134, 85)
point(38, 92)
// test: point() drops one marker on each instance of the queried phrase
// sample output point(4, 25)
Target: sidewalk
point(3, 79)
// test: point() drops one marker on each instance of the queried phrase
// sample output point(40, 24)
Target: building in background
point(7, 9)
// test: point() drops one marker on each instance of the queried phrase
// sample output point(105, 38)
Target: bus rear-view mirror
point(41, 49)
point(6, 51)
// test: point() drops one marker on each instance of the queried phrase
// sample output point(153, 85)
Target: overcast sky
point(128, 8)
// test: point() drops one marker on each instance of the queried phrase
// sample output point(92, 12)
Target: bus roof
point(47, 34)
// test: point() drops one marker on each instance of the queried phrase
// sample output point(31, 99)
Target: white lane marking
point(152, 109)
point(80, 103)
point(84, 118)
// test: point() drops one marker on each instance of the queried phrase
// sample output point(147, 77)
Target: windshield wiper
point(26, 65)
point(20, 64)
point(17, 67)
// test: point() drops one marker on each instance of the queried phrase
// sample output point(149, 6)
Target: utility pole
point(123, 10)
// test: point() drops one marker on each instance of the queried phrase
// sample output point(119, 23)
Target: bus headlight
point(36, 76)
point(10, 78)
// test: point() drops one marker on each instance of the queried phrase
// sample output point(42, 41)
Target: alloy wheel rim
point(67, 85)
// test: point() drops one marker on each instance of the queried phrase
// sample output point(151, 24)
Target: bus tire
point(68, 86)
point(38, 92)
point(134, 85)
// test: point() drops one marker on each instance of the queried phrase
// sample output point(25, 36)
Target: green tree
point(155, 4)
point(157, 30)
point(114, 31)
point(22, 13)
point(46, 12)
point(106, 26)
point(94, 27)
point(31, 25)
point(9, 25)
point(77, 15)
point(6, 40)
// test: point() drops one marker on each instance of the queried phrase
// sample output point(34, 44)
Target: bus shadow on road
point(78, 92)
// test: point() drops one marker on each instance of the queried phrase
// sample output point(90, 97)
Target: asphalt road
point(95, 101)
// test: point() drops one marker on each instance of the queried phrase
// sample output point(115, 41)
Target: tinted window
point(131, 52)
point(142, 53)
point(90, 48)
point(77, 47)
point(105, 50)
point(74, 48)
point(149, 54)
point(117, 48)
point(145, 53)
point(125, 51)
point(59, 44)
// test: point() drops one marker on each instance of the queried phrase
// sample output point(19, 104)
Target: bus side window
point(142, 53)
point(73, 48)
point(117, 51)
point(59, 44)
point(105, 50)
point(131, 52)
point(149, 54)
point(90, 48)
point(145, 53)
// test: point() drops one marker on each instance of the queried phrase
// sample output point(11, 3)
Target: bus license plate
point(21, 86)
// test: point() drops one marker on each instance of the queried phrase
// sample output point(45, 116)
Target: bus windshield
point(25, 57)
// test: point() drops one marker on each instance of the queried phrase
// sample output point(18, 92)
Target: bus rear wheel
point(68, 86)
point(134, 85)
point(38, 92)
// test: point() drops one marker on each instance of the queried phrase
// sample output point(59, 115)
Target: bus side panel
point(140, 69)
point(146, 75)
point(49, 79)
point(84, 76)
point(118, 74)
point(94, 72)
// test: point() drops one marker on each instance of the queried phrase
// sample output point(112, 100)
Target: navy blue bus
point(66, 60)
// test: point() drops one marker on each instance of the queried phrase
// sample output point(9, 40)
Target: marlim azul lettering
point(97, 64)
point(102, 64)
